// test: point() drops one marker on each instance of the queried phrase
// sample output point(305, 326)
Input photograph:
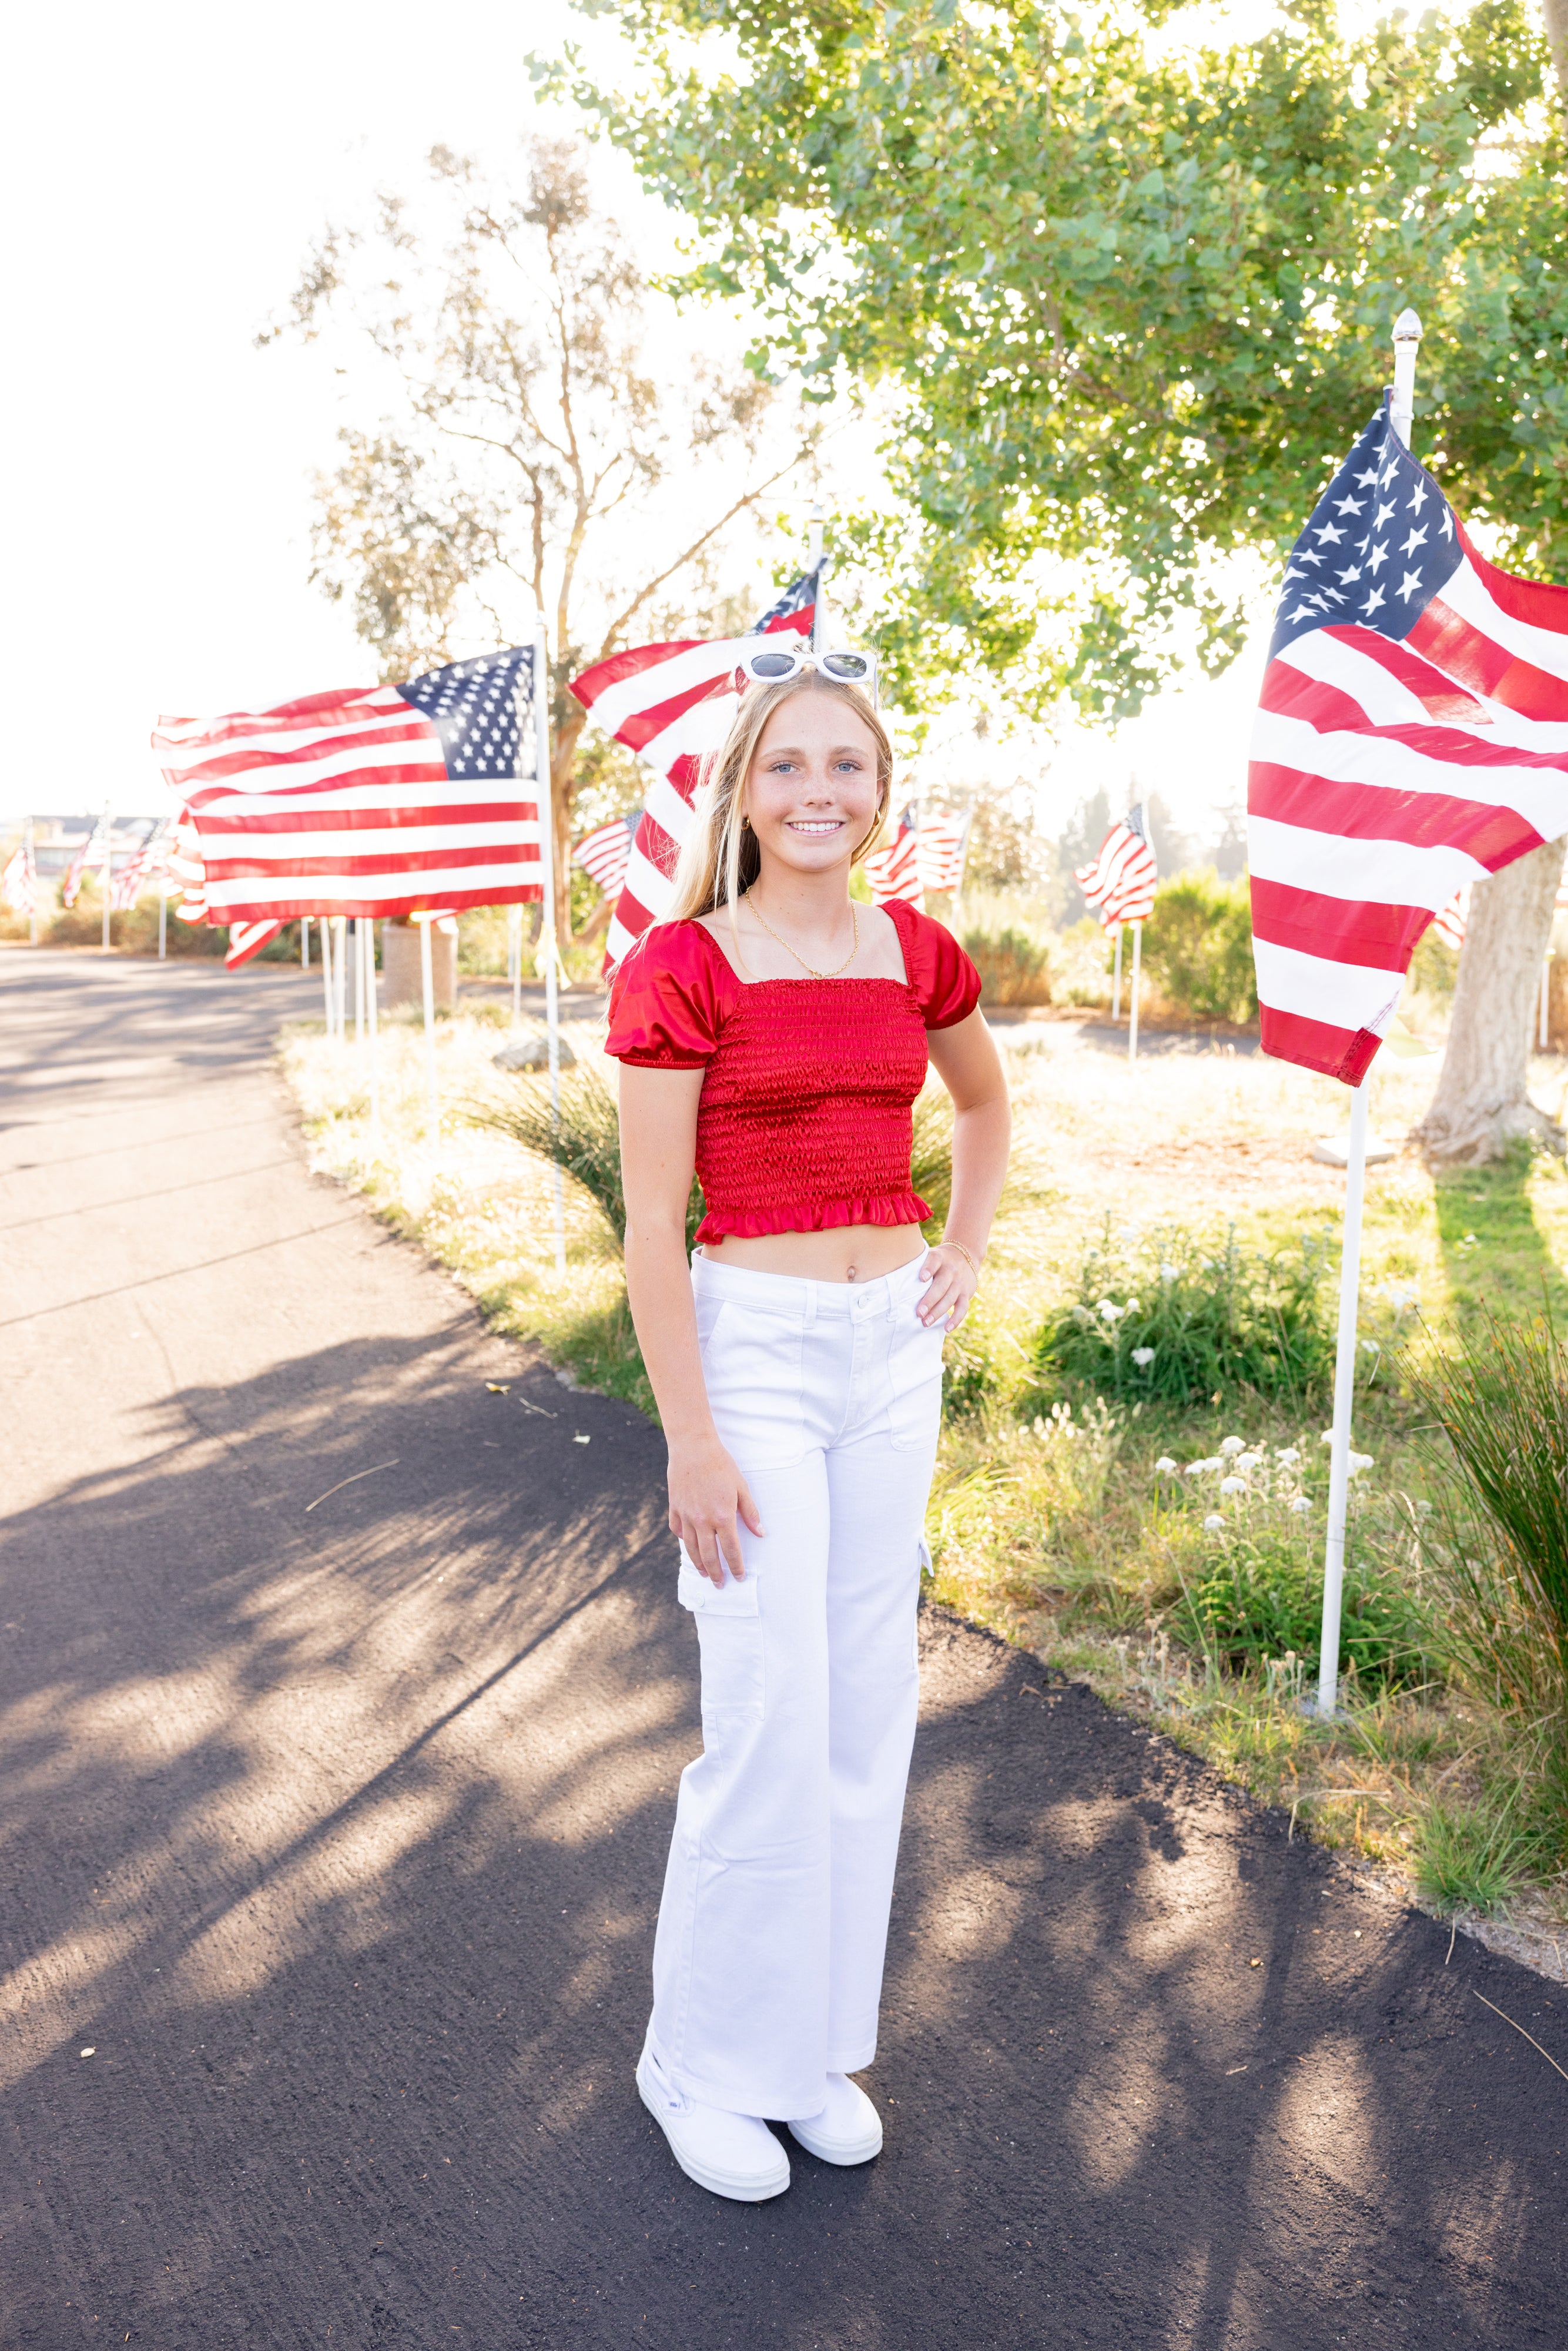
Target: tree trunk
point(1556, 15)
point(1482, 1103)
point(563, 792)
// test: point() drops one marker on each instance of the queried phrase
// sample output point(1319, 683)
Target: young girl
point(774, 1034)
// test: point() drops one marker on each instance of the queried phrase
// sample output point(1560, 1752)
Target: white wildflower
point(1247, 1460)
point(1143, 1356)
point(1287, 1455)
point(1197, 1468)
point(1399, 1298)
point(1213, 1521)
point(1370, 1347)
point(1107, 1311)
point(1231, 1446)
point(1233, 1485)
point(1163, 1466)
point(1358, 1462)
point(1135, 1305)
point(1301, 1506)
point(1170, 1273)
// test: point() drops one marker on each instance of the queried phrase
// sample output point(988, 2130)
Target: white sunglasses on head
point(772, 664)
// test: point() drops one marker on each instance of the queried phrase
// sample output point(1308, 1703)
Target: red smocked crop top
point(804, 1119)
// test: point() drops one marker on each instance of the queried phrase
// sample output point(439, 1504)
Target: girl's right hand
point(707, 1494)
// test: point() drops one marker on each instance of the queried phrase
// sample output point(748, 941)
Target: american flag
point(381, 800)
point(941, 847)
point(673, 704)
point(140, 867)
point(88, 852)
point(1121, 880)
point(19, 882)
point(1450, 923)
point(604, 854)
point(894, 870)
point(1412, 735)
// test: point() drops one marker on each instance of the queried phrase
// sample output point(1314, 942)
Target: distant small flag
point(604, 854)
point(19, 882)
point(941, 846)
point(893, 871)
point(1121, 881)
point(89, 853)
point(140, 868)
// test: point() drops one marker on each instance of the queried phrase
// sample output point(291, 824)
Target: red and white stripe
point(604, 854)
point(672, 705)
point(893, 871)
point(1122, 879)
point(1385, 776)
point(88, 852)
point(19, 882)
point(341, 804)
point(1451, 922)
point(247, 939)
point(941, 848)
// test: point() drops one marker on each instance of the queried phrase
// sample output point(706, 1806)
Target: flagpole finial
point(1407, 328)
point(1407, 343)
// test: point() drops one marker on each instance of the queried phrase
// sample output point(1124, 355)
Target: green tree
point(538, 458)
point(1133, 293)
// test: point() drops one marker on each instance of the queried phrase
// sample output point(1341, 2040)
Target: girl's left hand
point(950, 1285)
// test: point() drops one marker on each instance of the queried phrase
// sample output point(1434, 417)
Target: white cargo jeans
point(772, 1932)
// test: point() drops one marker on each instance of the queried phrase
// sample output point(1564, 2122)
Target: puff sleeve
point(941, 975)
point(667, 1000)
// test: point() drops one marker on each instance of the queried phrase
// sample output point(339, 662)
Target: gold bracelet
point(968, 1260)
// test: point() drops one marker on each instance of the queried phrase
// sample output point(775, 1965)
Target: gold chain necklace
point(855, 925)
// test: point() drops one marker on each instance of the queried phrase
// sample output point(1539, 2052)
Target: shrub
point(1198, 948)
point(1264, 1597)
point(585, 1142)
point(1501, 1552)
point(1014, 966)
point(1176, 1317)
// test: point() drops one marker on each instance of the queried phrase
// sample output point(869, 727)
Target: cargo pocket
point(729, 1634)
point(914, 1382)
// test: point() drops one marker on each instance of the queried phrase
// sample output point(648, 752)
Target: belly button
point(850, 1275)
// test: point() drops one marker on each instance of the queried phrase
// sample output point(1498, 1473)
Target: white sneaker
point(848, 2129)
point(734, 2154)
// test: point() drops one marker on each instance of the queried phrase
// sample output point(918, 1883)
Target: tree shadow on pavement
point(335, 1824)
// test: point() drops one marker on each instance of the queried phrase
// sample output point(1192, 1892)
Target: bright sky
point(165, 169)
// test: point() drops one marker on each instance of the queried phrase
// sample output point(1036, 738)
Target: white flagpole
point(814, 564)
point(368, 951)
point(427, 985)
point(515, 960)
point(1406, 341)
point(359, 982)
point(107, 871)
point(1132, 992)
point(543, 802)
point(327, 969)
point(304, 942)
point(33, 878)
point(342, 921)
point(1116, 979)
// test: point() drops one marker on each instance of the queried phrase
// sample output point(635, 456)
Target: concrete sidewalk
point(342, 1705)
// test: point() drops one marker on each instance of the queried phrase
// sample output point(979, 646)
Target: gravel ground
point(343, 1700)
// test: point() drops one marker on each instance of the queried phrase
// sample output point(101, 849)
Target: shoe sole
point(838, 2150)
point(719, 2183)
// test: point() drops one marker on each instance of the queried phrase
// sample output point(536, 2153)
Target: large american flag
point(1121, 879)
point(1412, 735)
point(381, 800)
point(673, 704)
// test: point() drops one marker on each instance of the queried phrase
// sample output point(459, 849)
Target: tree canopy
point(1134, 292)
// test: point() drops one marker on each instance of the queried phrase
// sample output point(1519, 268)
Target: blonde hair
point(719, 858)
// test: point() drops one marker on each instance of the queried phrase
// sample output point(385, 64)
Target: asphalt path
point(341, 1711)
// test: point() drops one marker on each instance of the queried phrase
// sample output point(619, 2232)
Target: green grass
point(1051, 1517)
